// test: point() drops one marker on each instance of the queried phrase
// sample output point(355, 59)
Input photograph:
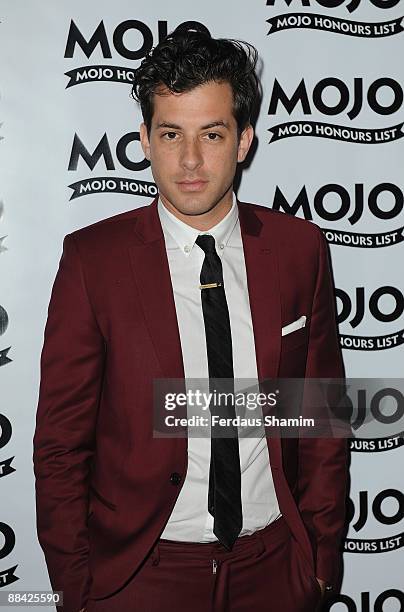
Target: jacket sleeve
point(71, 369)
point(323, 461)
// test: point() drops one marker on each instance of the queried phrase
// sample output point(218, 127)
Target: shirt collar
point(184, 235)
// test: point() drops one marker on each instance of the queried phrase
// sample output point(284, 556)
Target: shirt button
point(221, 246)
point(175, 478)
point(187, 248)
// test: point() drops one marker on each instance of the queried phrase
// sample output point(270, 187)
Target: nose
point(191, 155)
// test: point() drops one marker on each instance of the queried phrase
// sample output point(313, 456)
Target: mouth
point(192, 185)
point(196, 185)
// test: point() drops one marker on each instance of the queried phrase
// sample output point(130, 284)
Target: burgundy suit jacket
point(104, 485)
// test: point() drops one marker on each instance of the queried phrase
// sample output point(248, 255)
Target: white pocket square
point(300, 322)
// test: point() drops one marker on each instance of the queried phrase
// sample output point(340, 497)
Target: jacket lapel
point(261, 259)
point(152, 278)
point(263, 286)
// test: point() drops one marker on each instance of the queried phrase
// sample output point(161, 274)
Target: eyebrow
point(174, 126)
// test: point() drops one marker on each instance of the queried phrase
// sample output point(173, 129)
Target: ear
point(144, 141)
point(244, 144)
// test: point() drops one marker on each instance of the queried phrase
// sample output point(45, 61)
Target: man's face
point(193, 147)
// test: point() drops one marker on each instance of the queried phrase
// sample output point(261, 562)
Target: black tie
point(224, 499)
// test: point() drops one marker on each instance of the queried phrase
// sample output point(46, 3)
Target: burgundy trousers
point(265, 572)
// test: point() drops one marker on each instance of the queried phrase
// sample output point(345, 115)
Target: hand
point(82, 610)
point(322, 584)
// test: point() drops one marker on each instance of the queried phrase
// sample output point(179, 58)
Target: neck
point(206, 220)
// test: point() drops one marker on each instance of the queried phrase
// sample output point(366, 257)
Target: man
point(194, 285)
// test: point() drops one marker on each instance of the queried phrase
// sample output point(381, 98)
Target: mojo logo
point(375, 408)
point(98, 39)
point(347, 100)
point(5, 436)
point(356, 306)
point(367, 603)
point(3, 326)
point(350, 5)
point(387, 508)
point(351, 206)
point(103, 153)
point(338, 25)
point(8, 542)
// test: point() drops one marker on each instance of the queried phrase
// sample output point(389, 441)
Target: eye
point(213, 136)
point(170, 135)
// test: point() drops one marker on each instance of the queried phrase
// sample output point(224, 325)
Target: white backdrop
point(350, 75)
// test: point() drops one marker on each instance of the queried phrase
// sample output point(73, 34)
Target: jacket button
point(175, 478)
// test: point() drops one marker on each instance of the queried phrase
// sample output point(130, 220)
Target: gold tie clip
point(210, 285)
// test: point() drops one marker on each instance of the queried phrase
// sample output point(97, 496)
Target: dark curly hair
point(189, 57)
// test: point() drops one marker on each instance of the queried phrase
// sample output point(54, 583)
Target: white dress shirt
point(190, 520)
